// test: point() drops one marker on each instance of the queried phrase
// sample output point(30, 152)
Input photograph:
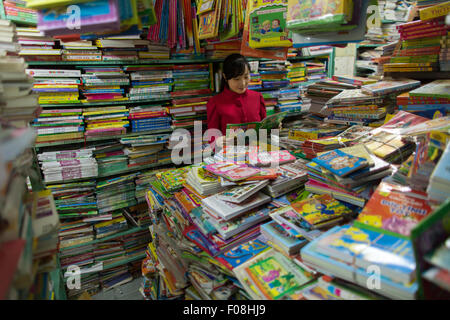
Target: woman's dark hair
point(233, 66)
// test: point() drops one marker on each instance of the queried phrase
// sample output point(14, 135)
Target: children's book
point(393, 209)
point(270, 122)
point(232, 171)
point(241, 193)
point(208, 22)
point(242, 253)
point(390, 86)
point(276, 277)
point(268, 24)
point(340, 163)
point(276, 233)
point(435, 89)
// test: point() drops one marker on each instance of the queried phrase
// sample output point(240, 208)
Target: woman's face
point(240, 83)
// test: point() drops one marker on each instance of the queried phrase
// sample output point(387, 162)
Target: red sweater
point(229, 107)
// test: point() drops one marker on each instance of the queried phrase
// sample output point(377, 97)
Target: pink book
point(232, 171)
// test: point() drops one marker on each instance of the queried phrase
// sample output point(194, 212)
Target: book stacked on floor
point(81, 50)
point(273, 74)
point(148, 82)
point(103, 84)
point(420, 46)
point(428, 101)
point(67, 164)
point(109, 121)
point(37, 47)
point(56, 86)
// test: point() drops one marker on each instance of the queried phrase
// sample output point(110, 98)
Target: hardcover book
point(340, 163)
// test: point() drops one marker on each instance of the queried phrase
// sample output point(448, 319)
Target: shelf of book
point(113, 236)
point(112, 173)
point(154, 61)
point(92, 139)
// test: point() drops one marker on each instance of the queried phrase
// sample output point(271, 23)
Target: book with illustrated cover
point(241, 193)
point(276, 233)
point(393, 209)
point(232, 171)
point(267, 26)
point(357, 150)
point(270, 122)
point(241, 253)
point(393, 255)
point(208, 22)
point(276, 276)
point(390, 86)
point(340, 163)
point(227, 210)
point(304, 15)
point(359, 81)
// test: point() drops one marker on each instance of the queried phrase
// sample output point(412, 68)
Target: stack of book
point(81, 50)
point(120, 49)
point(59, 125)
point(75, 200)
point(444, 54)
point(427, 101)
point(56, 86)
point(103, 84)
point(185, 112)
point(420, 46)
point(110, 157)
point(316, 71)
point(37, 47)
point(255, 82)
point(142, 150)
point(107, 228)
point(105, 122)
point(146, 118)
point(190, 77)
point(67, 165)
point(221, 50)
point(273, 74)
point(352, 179)
point(296, 73)
point(203, 182)
point(439, 180)
point(291, 100)
point(155, 51)
point(116, 193)
point(17, 11)
point(149, 82)
point(291, 177)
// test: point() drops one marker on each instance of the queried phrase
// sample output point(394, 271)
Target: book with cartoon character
point(241, 253)
point(268, 24)
point(340, 163)
point(394, 209)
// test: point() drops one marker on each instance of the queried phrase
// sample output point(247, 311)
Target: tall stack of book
point(420, 46)
point(291, 100)
point(185, 111)
point(56, 86)
point(296, 73)
point(103, 84)
point(316, 71)
point(120, 49)
point(190, 77)
point(81, 50)
point(110, 157)
point(148, 82)
point(143, 150)
point(105, 122)
point(117, 193)
point(150, 117)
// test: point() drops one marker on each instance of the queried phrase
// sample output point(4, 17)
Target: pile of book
point(255, 82)
point(273, 74)
point(67, 164)
point(155, 51)
point(143, 150)
point(120, 49)
point(103, 84)
point(220, 50)
point(117, 193)
point(81, 50)
point(37, 47)
point(185, 111)
point(56, 86)
point(110, 157)
point(148, 82)
point(316, 71)
point(420, 46)
point(190, 77)
point(109, 121)
point(145, 118)
point(290, 100)
point(428, 101)
point(296, 73)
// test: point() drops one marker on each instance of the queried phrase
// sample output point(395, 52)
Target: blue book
point(243, 252)
point(340, 163)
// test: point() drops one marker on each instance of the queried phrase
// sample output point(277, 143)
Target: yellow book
point(110, 222)
point(106, 111)
point(435, 11)
point(42, 4)
point(59, 137)
point(106, 125)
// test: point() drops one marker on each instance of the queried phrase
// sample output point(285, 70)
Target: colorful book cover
point(386, 87)
point(268, 24)
point(270, 157)
point(208, 22)
point(435, 11)
point(280, 235)
point(435, 89)
point(242, 253)
point(393, 209)
point(232, 171)
point(340, 163)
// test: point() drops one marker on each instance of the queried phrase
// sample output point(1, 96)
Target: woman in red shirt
point(235, 103)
